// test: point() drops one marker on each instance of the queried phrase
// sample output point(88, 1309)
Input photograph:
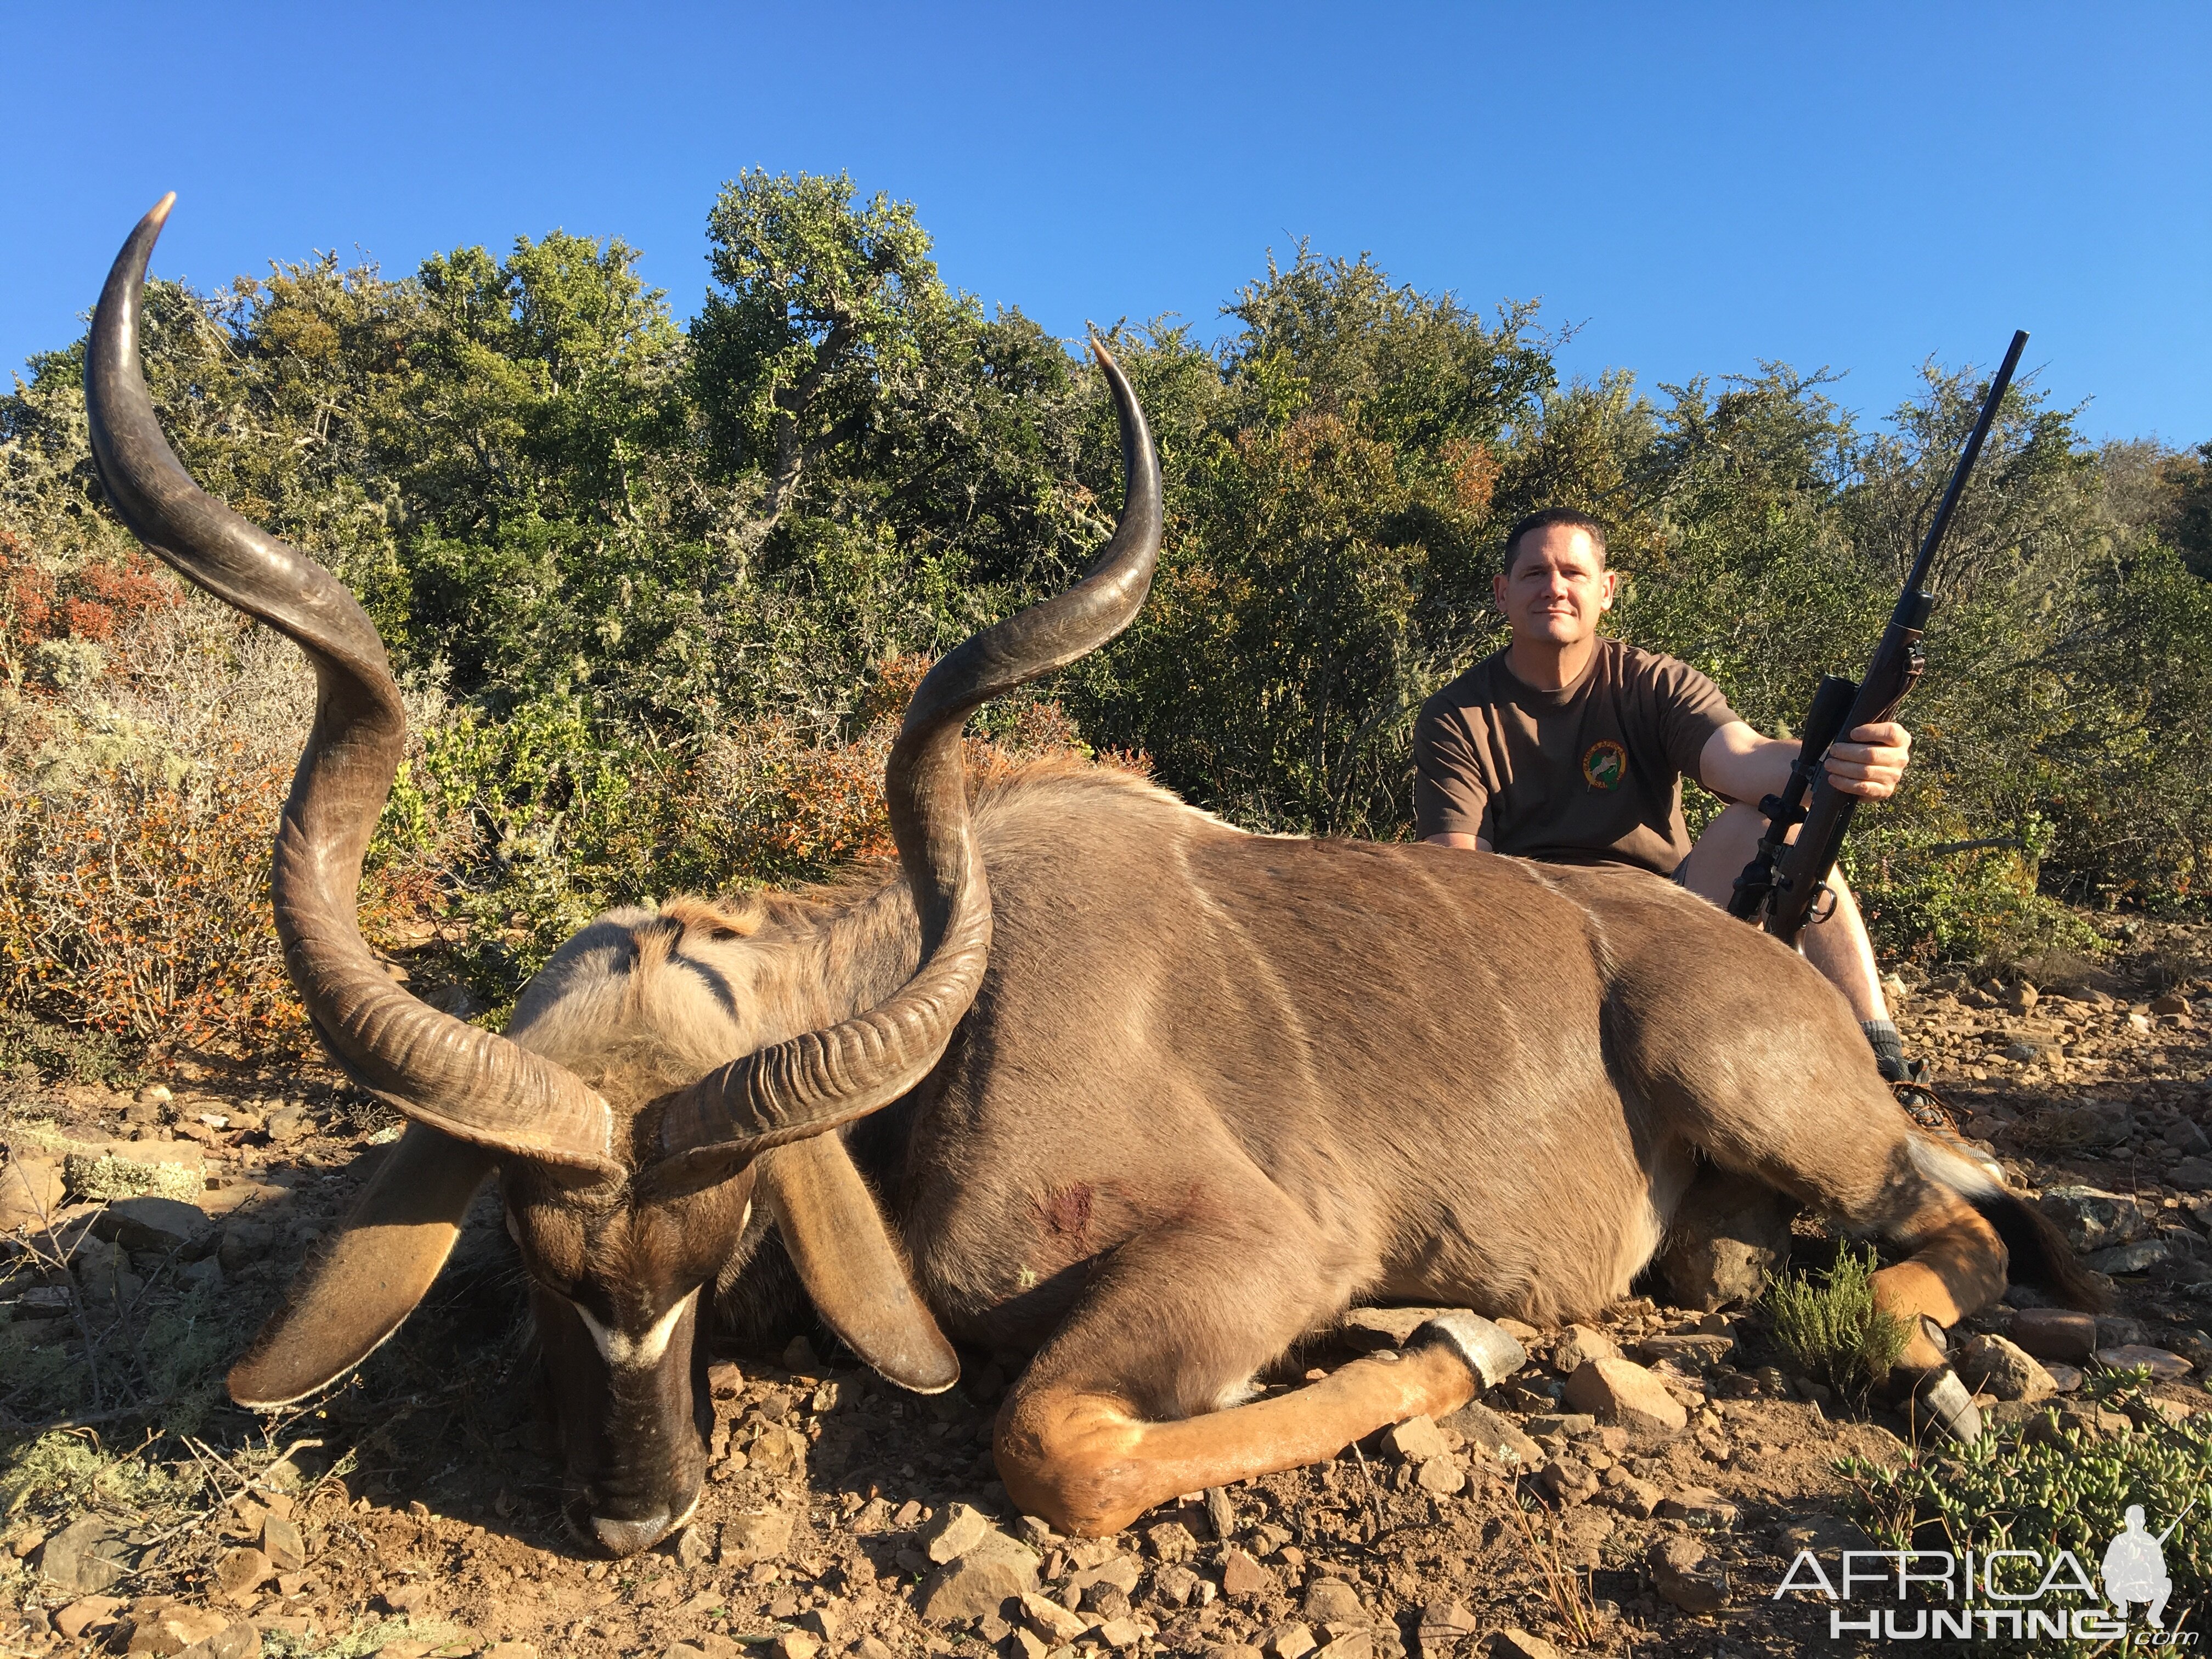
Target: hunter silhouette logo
point(1604, 765)
point(2135, 1566)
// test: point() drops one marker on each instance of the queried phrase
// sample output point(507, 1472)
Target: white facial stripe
point(627, 1353)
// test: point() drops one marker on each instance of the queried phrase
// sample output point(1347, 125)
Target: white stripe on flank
point(627, 1353)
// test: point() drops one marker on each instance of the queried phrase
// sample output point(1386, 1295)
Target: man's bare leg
point(1837, 945)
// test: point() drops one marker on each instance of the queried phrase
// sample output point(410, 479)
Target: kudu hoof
point(1942, 1399)
point(1488, 1352)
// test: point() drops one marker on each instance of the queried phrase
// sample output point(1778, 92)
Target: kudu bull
point(1144, 1095)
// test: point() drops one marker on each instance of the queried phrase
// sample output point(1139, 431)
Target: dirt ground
point(416, 1511)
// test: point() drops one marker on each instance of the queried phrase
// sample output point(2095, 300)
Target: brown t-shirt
point(1591, 774)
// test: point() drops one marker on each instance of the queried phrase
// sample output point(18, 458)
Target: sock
point(1882, 1036)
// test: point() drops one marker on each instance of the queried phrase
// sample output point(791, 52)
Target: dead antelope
point(1151, 1102)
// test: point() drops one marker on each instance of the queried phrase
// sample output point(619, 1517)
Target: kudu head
point(647, 1104)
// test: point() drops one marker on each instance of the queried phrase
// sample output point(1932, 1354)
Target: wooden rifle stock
point(1780, 885)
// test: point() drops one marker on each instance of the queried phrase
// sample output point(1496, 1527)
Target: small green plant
point(1833, 1329)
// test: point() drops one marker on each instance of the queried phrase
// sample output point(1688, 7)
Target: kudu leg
point(1128, 1405)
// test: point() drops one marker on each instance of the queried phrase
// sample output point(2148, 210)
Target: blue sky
point(1698, 186)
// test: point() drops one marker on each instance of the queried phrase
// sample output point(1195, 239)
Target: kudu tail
point(2036, 1252)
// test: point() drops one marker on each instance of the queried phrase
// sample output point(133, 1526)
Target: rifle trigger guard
point(1818, 914)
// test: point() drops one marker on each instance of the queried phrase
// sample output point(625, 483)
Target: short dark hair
point(1544, 519)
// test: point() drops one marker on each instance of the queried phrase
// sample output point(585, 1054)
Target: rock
point(1175, 1585)
point(2065, 1378)
point(1679, 1573)
point(1372, 1329)
point(1630, 1496)
point(986, 1575)
point(754, 1535)
point(2022, 998)
point(1171, 1540)
point(172, 1629)
point(2182, 1136)
point(957, 1529)
point(82, 1615)
point(1993, 1365)
point(2092, 1422)
point(1568, 1480)
point(795, 1644)
point(1332, 1601)
point(2127, 1258)
point(148, 1223)
point(1694, 1350)
point(2094, 1219)
point(1578, 1344)
point(1444, 1625)
point(283, 1543)
point(1053, 1623)
point(2056, 1334)
point(1494, 1435)
point(1291, 1641)
point(1220, 1514)
point(1514, 1643)
point(1353, 1644)
point(30, 1192)
point(1441, 1475)
point(1120, 1571)
point(694, 1547)
point(86, 1556)
point(1621, 1391)
point(1243, 1577)
point(1729, 1236)
point(2164, 1366)
point(1701, 1506)
point(2172, 1003)
point(241, 1571)
point(286, 1125)
point(777, 1450)
point(2191, 1174)
point(1415, 1440)
point(240, 1639)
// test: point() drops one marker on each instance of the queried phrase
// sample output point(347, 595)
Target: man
point(1571, 747)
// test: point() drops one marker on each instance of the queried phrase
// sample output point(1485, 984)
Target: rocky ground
point(1640, 1486)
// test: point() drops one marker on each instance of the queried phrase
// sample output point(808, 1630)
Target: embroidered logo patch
point(1604, 765)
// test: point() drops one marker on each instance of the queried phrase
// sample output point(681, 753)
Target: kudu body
point(1143, 1095)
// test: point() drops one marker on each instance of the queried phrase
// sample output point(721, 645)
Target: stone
point(1728, 1237)
point(694, 1547)
point(1415, 1440)
point(148, 1223)
point(1053, 1623)
point(82, 1615)
point(2182, 1136)
point(777, 1450)
point(1351, 1645)
point(754, 1535)
point(1332, 1601)
point(2065, 1378)
point(1579, 1343)
point(286, 1125)
point(991, 1571)
point(1171, 1540)
point(1990, 1364)
point(1621, 1391)
point(1494, 1435)
point(1243, 1577)
point(1175, 1585)
point(1679, 1573)
point(2172, 1003)
point(2056, 1334)
point(1121, 1632)
point(1568, 1480)
point(1220, 1514)
point(284, 1544)
point(30, 1192)
point(1514, 1643)
point(1576, 1425)
point(2127, 1258)
point(2191, 1174)
point(796, 1645)
point(1693, 1351)
point(957, 1529)
point(2094, 1219)
point(1630, 1496)
point(2022, 998)
point(86, 1556)
point(241, 1571)
point(1701, 1506)
point(2164, 1366)
point(1441, 1476)
point(239, 1639)
point(1291, 1641)
point(172, 1629)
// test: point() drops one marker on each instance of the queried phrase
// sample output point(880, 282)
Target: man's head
point(1555, 584)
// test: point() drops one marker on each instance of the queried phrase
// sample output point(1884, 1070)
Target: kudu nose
point(628, 1537)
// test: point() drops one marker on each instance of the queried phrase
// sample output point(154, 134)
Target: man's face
point(1559, 587)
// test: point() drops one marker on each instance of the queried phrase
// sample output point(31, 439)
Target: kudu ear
point(852, 1268)
point(358, 1289)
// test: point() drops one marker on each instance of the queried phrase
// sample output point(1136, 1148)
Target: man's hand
point(1870, 763)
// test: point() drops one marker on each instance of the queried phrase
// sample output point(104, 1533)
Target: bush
point(1833, 1329)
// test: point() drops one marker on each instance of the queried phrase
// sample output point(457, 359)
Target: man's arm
point(1738, 764)
point(1464, 843)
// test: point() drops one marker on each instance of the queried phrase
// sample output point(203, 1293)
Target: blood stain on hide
point(1067, 1210)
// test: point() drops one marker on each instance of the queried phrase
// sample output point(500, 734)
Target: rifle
point(1778, 888)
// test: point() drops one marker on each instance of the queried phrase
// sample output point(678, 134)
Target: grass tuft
point(1832, 1330)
